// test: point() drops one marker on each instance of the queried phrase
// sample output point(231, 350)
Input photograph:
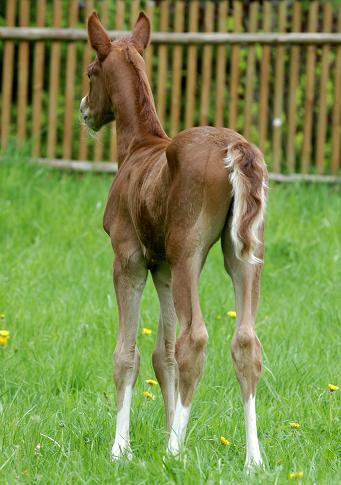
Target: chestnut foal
point(170, 201)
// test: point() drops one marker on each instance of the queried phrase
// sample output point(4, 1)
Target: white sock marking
point(178, 428)
point(122, 440)
point(252, 445)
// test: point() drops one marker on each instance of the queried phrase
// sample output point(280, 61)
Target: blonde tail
point(248, 176)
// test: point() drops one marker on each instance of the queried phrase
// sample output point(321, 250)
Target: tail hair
point(248, 176)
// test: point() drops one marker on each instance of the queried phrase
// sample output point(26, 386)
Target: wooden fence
point(269, 69)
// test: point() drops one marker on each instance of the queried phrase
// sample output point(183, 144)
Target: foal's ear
point(98, 37)
point(141, 33)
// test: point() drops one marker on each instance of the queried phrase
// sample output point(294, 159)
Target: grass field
point(57, 401)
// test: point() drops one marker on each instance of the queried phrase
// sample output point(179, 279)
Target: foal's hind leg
point(129, 277)
point(246, 351)
point(191, 343)
point(164, 362)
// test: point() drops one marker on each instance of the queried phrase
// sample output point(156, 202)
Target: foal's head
point(109, 71)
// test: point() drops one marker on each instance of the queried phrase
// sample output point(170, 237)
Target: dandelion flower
point(146, 331)
point(333, 387)
point(232, 313)
point(151, 382)
point(296, 474)
point(4, 337)
point(2, 316)
point(224, 441)
point(295, 425)
point(148, 395)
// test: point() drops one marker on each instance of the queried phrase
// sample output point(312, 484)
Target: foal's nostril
point(85, 117)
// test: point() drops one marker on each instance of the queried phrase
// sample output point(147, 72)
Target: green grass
point(57, 400)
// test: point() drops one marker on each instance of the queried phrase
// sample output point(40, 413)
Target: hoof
point(174, 448)
point(121, 452)
point(253, 462)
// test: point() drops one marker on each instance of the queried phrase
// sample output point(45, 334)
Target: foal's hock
point(169, 203)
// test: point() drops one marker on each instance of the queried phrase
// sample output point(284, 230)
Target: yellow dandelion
point(333, 387)
point(296, 474)
point(152, 382)
point(218, 317)
point(232, 313)
point(148, 395)
point(224, 441)
point(295, 425)
point(4, 337)
point(146, 331)
point(2, 316)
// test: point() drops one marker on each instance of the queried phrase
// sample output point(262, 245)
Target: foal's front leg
point(129, 277)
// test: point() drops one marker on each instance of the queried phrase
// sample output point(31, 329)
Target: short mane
point(146, 101)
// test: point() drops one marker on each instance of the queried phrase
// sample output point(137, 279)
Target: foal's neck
point(137, 122)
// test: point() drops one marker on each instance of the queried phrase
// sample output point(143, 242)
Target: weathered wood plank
point(38, 71)
point(108, 167)
point(293, 82)
point(264, 76)
point(23, 60)
point(7, 78)
point(192, 54)
point(321, 126)
point(176, 72)
point(309, 92)
point(279, 87)
point(54, 85)
point(69, 34)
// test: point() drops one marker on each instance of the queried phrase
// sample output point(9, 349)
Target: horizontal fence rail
point(110, 167)
point(185, 38)
point(269, 69)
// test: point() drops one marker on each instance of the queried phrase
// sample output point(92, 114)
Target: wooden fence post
point(206, 67)
point(162, 67)
point(83, 131)
point(191, 66)
point(7, 78)
point(250, 71)
point(221, 67)
point(293, 81)
point(234, 74)
point(69, 83)
point(336, 116)
point(177, 71)
point(54, 85)
point(321, 125)
point(264, 80)
point(23, 62)
point(38, 76)
point(310, 90)
point(278, 101)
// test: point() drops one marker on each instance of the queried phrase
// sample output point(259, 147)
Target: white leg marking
point(122, 442)
point(252, 446)
point(178, 429)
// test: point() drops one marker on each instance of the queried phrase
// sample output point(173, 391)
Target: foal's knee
point(247, 359)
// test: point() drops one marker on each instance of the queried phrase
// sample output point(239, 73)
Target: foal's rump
point(211, 169)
